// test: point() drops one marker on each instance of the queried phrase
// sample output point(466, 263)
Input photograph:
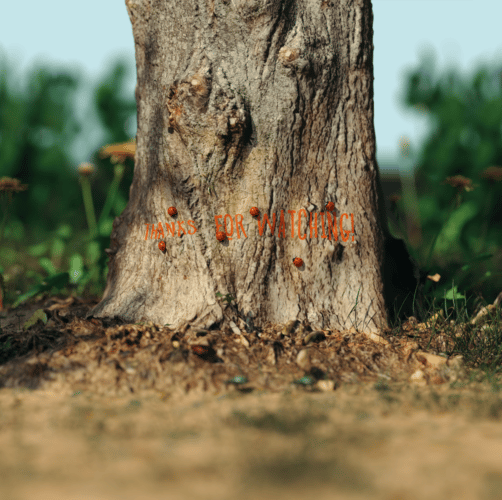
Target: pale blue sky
point(89, 35)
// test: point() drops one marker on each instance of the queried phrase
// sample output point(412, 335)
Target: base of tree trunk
point(252, 109)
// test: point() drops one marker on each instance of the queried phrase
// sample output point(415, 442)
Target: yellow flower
point(119, 152)
point(460, 182)
point(85, 169)
point(434, 278)
point(493, 173)
point(12, 185)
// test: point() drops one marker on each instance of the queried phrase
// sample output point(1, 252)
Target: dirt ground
point(100, 410)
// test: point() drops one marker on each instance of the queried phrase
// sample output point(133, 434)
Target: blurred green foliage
point(461, 237)
point(36, 125)
point(47, 244)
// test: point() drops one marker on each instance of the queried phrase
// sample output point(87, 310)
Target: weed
point(226, 298)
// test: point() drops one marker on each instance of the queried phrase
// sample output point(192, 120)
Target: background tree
point(40, 126)
point(461, 228)
point(244, 104)
point(37, 124)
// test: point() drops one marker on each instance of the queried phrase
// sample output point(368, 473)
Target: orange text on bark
point(313, 226)
point(332, 226)
point(158, 232)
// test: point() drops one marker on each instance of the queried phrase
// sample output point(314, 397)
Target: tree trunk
point(241, 104)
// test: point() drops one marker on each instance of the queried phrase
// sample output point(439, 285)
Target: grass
point(449, 329)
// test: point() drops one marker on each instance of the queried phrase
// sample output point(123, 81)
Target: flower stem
point(118, 173)
point(431, 251)
point(89, 206)
point(6, 199)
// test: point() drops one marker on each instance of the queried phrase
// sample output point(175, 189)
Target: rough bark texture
point(245, 103)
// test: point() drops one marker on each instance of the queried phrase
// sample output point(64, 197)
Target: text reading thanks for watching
point(227, 223)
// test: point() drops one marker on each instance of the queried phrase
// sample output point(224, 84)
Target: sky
point(90, 35)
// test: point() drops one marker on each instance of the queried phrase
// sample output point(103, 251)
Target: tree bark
point(252, 103)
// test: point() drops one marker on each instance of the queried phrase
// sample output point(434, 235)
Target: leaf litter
point(59, 348)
